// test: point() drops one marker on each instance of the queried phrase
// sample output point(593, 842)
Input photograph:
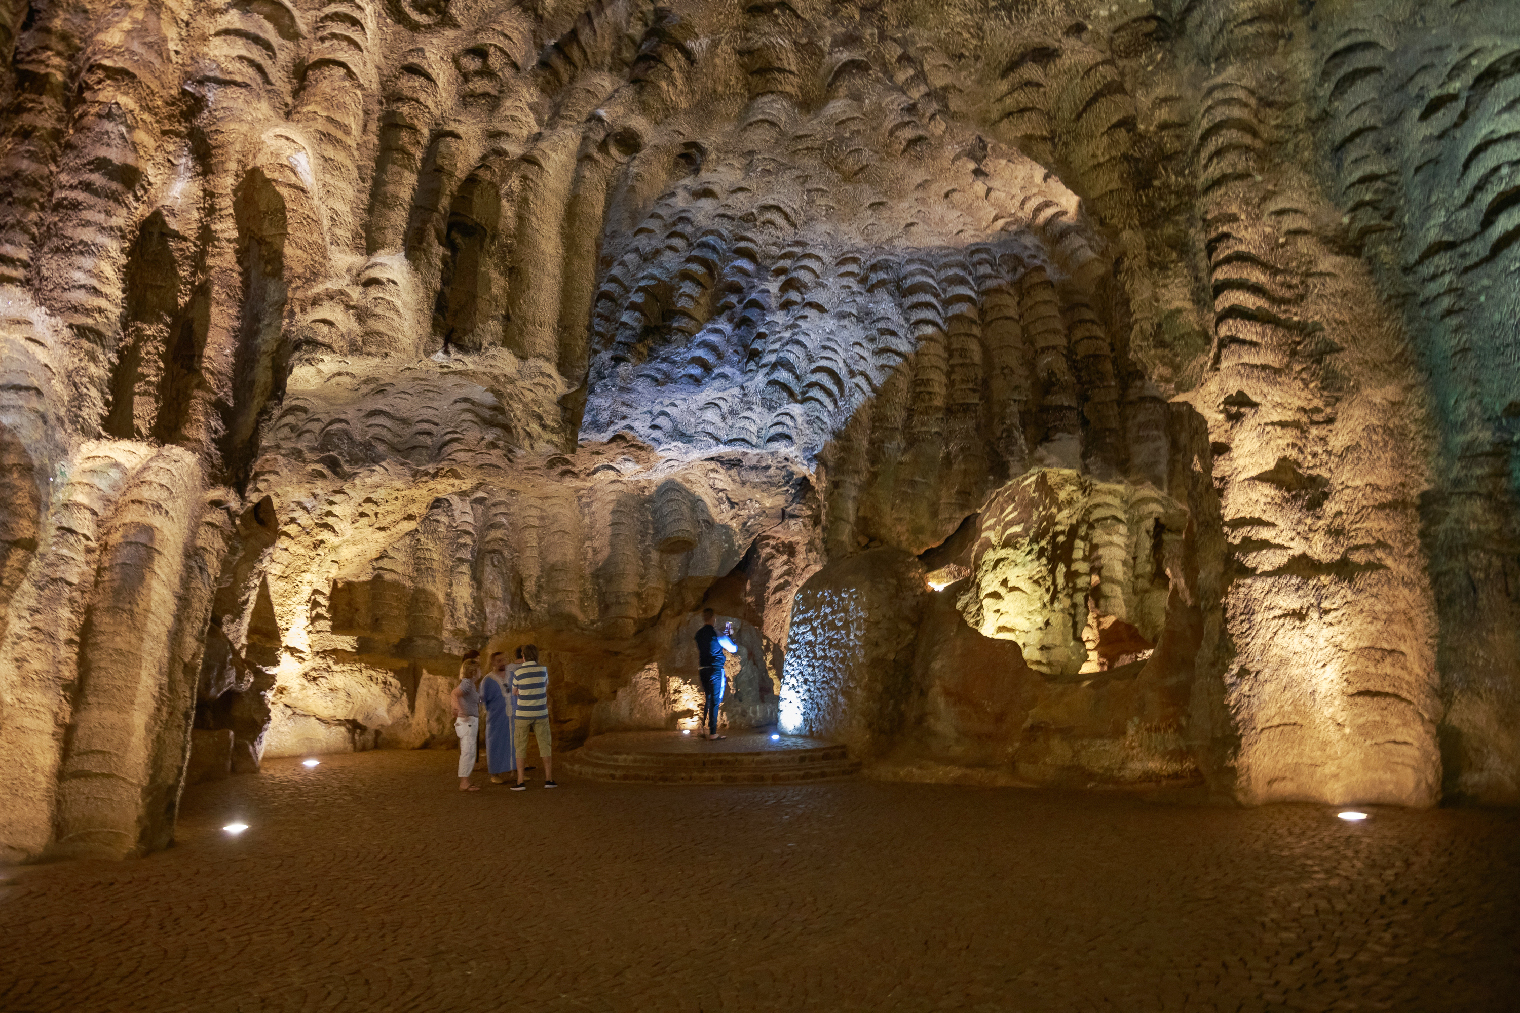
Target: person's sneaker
point(520, 786)
point(550, 784)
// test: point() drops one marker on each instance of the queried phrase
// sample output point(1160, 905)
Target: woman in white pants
point(466, 698)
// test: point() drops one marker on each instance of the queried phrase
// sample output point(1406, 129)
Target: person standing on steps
point(710, 668)
point(530, 698)
point(466, 701)
point(495, 693)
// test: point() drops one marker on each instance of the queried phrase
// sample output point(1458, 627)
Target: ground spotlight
point(235, 828)
point(1352, 816)
point(775, 738)
point(685, 731)
point(310, 763)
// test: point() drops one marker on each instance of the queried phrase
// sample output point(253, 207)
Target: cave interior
point(1053, 392)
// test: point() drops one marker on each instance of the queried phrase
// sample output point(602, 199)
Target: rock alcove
point(1061, 391)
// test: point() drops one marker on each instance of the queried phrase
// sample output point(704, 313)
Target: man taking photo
point(710, 665)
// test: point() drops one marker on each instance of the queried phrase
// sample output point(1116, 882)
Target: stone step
point(744, 758)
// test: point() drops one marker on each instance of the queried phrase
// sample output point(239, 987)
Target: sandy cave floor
point(370, 883)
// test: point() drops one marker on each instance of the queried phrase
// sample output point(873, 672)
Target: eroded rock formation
point(1144, 372)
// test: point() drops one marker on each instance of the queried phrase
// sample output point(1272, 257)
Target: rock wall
point(849, 661)
point(339, 336)
point(102, 649)
point(1070, 634)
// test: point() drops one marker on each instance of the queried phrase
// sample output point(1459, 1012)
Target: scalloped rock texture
point(1177, 337)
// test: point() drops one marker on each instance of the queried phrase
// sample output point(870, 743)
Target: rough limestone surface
point(1069, 635)
point(340, 336)
point(210, 754)
point(981, 714)
point(975, 692)
point(849, 663)
point(1074, 571)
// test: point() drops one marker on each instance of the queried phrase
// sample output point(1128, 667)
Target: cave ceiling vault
point(342, 335)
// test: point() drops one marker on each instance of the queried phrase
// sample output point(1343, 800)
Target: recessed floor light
point(310, 763)
point(235, 828)
point(685, 731)
point(1351, 816)
point(775, 738)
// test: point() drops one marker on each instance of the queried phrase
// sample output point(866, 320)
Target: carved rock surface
point(340, 336)
point(849, 663)
point(980, 707)
point(210, 754)
point(1066, 567)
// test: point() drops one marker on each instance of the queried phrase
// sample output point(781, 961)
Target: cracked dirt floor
point(370, 883)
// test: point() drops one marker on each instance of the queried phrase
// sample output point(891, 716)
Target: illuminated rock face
point(850, 653)
point(1062, 559)
point(339, 336)
point(1081, 647)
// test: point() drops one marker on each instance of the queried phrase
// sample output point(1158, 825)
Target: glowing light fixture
point(310, 763)
point(685, 731)
point(775, 738)
point(235, 828)
point(1352, 816)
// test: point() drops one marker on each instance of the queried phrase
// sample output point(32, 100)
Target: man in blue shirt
point(710, 664)
point(530, 704)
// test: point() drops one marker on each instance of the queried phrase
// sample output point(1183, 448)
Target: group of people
point(516, 700)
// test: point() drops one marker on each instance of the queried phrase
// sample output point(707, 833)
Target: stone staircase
point(674, 758)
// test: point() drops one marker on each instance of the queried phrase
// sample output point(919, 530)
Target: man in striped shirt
point(530, 693)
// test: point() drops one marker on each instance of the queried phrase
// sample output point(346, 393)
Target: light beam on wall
point(790, 713)
point(824, 643)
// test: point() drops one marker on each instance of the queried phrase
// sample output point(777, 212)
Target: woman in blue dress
point(496, 694)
